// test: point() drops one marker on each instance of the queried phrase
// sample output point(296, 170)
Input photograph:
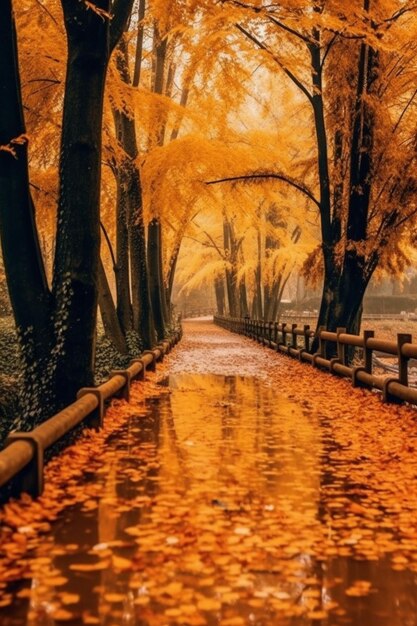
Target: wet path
point(229, 501)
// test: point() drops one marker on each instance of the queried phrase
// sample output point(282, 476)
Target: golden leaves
point(99, 11)
point(11, 146)
point(226, 533)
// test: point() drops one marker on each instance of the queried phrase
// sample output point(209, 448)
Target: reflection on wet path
point(214, 508)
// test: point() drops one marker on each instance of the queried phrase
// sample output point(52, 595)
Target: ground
point(248, 488)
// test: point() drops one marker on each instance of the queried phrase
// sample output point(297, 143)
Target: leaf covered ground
point(251, 490)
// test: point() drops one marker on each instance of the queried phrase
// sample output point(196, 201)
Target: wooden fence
point(296, 342)
point(22, 458)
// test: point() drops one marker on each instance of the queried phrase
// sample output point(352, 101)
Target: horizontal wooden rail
point(333, 352)
point(22, 459)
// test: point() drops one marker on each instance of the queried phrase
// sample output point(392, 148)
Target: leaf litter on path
point(294, 483)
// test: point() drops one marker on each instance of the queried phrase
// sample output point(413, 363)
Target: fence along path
point(22, 459)
point(286, 338)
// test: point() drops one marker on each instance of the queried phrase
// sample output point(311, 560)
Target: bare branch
point(290, 75)
point(262, 176)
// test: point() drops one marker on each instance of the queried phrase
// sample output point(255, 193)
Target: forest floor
point(238, 488)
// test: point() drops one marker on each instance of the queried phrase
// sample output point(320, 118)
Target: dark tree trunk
point(29, 294)
point(143, 315)
point(220, 295)
point(346, 279)
point(57, 332)
point(154, 260)
point(108, 312)
point(123, 296)
point(171, 273)
point(78, 237)
point(135, 246)
point(258, 281)
point(231, 278)
point(243, 299)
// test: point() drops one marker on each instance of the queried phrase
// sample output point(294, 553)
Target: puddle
point(213, 510)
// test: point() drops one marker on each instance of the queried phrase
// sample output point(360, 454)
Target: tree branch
point(290, 75)
point(290, 30)
point(109, 244)
point(305, 190)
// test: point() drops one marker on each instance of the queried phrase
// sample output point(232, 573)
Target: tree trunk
point(57, 331)
point(143, 314)
point(142, 318)
point(29, 294)
point(345, 280)
point(171, 273)
point(231, 278)
point(154, 260)
point(108, 313)
point(243, 299)
point(123, 295)
point(78, 238)
point(220, 295)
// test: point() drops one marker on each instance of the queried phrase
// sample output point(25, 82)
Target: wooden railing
point(405, 315)
point(296, 342)
point(22, 459)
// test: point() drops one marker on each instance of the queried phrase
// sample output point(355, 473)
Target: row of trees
point(352, 71)
point(233, 142)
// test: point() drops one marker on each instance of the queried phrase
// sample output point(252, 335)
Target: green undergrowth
point(107, 359)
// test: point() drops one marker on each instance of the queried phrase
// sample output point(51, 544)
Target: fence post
point(341, 350)
point(367, 352)
point(294, 336)
point(307, 337)
point(402, 338)
point(322, 345)
point(270, 333)
point(367, 360)
point(284, 333)
point(30, 478)
point(341, 347)
point(247, 325)
point(276, 334)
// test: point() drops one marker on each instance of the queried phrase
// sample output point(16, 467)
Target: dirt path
point(246, 489)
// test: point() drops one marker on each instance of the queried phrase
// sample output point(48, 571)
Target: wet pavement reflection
point(212, 510)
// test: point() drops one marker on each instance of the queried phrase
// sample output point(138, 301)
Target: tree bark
point(25, 273)
point(154, 260)
point(108, 312)
point(78, 238)
point(135, 246)
point(220, 295)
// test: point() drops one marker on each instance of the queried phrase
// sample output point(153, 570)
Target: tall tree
point(56, 327)
point(364, 207)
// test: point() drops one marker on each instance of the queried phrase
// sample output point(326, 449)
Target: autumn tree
point(56, 324)
point(364, 185)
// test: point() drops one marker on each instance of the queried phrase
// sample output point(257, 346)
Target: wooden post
point(307, 337)
point(403, 338)
point(341, 347)
point(294, 336)
point(322, 343)
point(367, 352)
point(284, 333)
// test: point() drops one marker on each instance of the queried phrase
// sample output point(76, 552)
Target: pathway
point(239, 487)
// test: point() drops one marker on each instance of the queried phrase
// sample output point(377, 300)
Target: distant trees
point(251, 257)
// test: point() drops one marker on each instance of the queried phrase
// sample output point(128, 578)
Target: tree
point(362, 126)
point(56, 325)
